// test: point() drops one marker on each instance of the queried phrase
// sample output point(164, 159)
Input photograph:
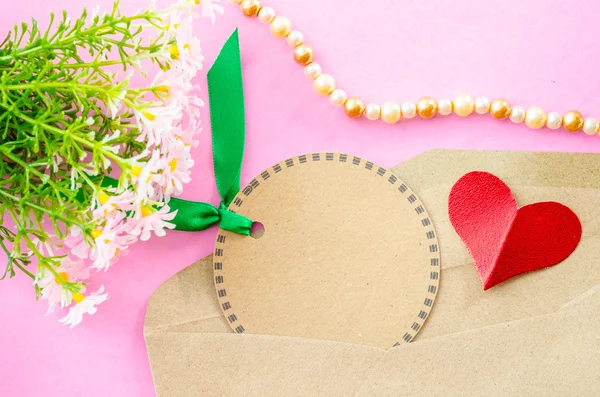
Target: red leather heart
point(506, 240)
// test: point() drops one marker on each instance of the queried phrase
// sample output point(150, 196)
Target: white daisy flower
point(154, 119)
point(52, 286)
point(187, 135)
point(143, 178)
point(83, 305)
point(186, 7)
point(76, 242)
point(177, 170)
point(105, 202)
point(110, 240)
point(178, 89)
point(173, 21)
point(149, 220)
point(186, 53)
point(209, 8)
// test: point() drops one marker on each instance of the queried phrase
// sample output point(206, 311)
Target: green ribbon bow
point(226, 98)
point(227, 119)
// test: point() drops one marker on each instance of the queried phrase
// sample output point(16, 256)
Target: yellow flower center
point(162, 88)
point(77, 297)
point(136, 170)
point(61, 278)
point(167, 25)
point(102, 197)
point(197, 2)
point(173, 165)
point(96, 233)
point(186, 46)
point(174, 51)
point(149, 116)
point(146, 211)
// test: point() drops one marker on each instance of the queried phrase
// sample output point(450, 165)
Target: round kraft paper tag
point(348, 253)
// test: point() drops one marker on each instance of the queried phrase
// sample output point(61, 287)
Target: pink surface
point(539, 52)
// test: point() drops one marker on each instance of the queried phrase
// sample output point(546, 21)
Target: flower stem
point(74, 36)
point(27, 272)
point(92, 145)
point(31, 169)
point(52, 214)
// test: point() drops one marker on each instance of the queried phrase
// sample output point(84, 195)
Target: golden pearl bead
point(427, 107)
point(303, 54)
point(250, 8)
point(500, 109)
point(464, 105)
point(324, 84)
point(354, 107)
point(280, 27)
point(573, 121)
point(535, 118)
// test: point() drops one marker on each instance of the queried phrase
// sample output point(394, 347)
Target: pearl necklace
point(391, 112)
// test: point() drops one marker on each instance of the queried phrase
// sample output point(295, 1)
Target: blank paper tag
point(348, 254)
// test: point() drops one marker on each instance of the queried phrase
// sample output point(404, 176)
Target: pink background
point(536, 52)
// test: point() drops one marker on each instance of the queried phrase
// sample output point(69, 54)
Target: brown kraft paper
point(536, 334)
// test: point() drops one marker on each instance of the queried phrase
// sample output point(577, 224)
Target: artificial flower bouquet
point(71, 118)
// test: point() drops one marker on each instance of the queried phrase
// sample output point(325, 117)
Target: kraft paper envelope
point(536, 334)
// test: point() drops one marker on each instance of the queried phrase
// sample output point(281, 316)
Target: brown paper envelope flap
point(524, 357)
point(257, 365)
point(582, 299)
point(551, 355)
point(568, 178)
point(186, 302)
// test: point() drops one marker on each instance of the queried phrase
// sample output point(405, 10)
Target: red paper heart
point(506, 240)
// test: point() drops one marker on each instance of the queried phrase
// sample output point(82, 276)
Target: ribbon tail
point(227, 118)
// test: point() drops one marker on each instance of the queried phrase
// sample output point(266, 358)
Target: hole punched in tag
point(257, 230)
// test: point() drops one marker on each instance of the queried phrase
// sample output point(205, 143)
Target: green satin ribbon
point(226, 98)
